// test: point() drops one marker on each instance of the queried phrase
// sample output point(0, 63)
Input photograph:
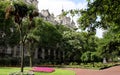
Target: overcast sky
point(55, 7)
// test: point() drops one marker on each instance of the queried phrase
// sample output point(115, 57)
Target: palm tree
point(19, 11)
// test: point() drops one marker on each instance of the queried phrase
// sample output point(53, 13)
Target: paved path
point(110, 71)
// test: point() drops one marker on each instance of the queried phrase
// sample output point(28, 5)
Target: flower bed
point(43, 69)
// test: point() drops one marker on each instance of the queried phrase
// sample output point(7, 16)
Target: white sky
point(55, 7)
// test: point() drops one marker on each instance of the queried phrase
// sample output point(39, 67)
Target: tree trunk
point(21, 48)
point(93, 64)
point(22, 57)
point(30, 61)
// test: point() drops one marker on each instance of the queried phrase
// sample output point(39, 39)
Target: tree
point(90, 53)
point(89, 57)
point(5, 26)
point(31, 41)
point(9, 34)
point(86, 57)
point(106, 10)
point(72, 45)
point(47, 36)
point(19, 11)
point(109, 45)
point(103, 14)
point(44, 36)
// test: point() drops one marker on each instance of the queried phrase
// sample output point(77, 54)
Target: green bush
point(8, 61)
point(73, 63)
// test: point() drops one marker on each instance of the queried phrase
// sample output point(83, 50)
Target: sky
point(55, 7)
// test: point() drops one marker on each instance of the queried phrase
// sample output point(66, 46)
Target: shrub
point(8, 61)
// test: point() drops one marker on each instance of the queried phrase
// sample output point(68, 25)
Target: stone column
point(104, 60)
point(54, 54)
point(43, 53)
point(36, 53)
point(8, 50)
point(49, 54)
point(14, 51)
point(48, 51)
point(59, 53)
point(63, 55)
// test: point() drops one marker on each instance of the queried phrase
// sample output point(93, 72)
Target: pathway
point(110, 71)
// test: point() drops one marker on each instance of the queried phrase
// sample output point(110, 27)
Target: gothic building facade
point(59, 19)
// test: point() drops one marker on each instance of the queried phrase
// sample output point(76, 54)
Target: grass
point(58, 72)
point(7, 70)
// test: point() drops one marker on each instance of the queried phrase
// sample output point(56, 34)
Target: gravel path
point(110, 71)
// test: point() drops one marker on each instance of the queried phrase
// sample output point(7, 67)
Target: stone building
point(34, 2)
point(59, 19)
point(41, 53)
point(14, 51)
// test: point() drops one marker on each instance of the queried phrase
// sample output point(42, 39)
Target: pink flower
point(43, 69)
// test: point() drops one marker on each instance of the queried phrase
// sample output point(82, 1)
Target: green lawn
point(7, 70)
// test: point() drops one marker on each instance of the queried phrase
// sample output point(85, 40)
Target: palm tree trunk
point(22, 57)
point(21, 48)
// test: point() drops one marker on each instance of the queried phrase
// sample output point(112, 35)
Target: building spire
point(62, 8)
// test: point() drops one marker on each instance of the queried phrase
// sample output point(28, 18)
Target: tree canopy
point(106, 10)
point(103, 14)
